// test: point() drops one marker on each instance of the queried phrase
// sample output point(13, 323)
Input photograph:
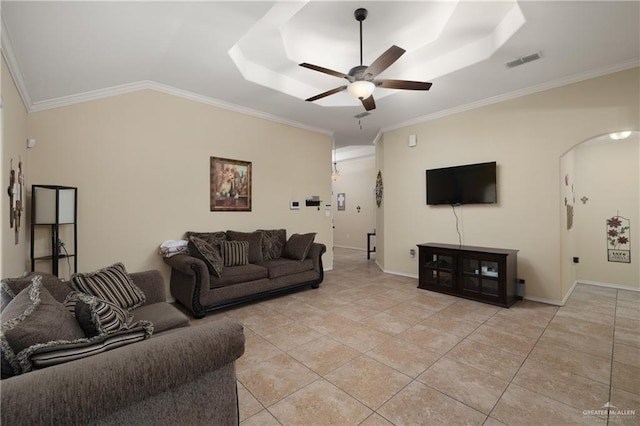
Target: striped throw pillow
point(97, 316)
point(235, 253)
point(112, 284)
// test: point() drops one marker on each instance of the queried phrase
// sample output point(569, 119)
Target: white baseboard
point(545, 300)
point(401, 274)
point(608, 285)
point(351, 248)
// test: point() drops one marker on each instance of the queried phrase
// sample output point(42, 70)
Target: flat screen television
point(467, 184)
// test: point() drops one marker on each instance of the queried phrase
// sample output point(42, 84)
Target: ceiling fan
point(362, 79)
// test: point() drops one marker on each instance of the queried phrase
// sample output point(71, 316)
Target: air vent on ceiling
point(362, 115)
point(524, 59)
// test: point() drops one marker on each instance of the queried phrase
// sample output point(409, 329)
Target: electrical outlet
point(576, 260)
point(412, 252)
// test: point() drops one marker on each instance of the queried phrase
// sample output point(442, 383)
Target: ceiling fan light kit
point(361, 78)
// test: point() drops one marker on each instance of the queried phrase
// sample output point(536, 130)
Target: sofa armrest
point(315, 254)
point(79, 392)
point(189, 281)
point(152, 285)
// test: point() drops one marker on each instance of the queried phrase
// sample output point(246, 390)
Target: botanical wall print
point(618, 239)
point(230, 185)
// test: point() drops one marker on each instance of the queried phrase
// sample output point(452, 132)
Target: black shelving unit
point(54, 207)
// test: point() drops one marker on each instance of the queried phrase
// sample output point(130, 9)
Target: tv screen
point(468, 184)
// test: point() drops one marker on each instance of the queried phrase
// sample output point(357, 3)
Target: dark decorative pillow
point(213, 238)
point(273, 241)
point(209, 254)
point(112, 284)
point(235, 253)
point(31, 319)
point(12, 286)
point(255, 243)
point(97, 316)
point(298, 246)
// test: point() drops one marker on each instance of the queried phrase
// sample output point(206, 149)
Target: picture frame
point(230, 185)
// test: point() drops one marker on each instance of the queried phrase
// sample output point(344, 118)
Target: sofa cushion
point(97, 316)
point(45, 356)
point(235, 253)
point(255, 243)
point(9, 287)
point(298, 246)
point(209, 254)
point(162, 315)
point(273, 241)
point(281, 267)
point(112, 284)
point(239, 274)
point(213, 238)
point(32, 319)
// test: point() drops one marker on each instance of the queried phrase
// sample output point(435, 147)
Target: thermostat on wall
point(294, 205)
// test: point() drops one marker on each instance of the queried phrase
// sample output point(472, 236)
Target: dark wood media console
point(480, 273)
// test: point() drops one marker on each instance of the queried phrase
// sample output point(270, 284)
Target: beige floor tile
point(598, 346)
point(369, 381)
point(492, 422)
point(629, 310)
point(517, 325)
point(445, 323)
point(486, 358)
point(466, 384)
point(276, 378)
point(626, 406)
point(562, 386)
point(409, 312)
point(519, 406)
point(584, 327)
point(247, 404)
point(593, 305)
point(289, 336)
point(359, 337)
point(471, 311)
point(432, 301)
point(324, 355)
point(509, 342)
point(388, 323)
point(572, 361)
point(429, 338)
point(263, 418)
point(256, 350)
point(626, 354)
point(626, 377)
point(353, 311)
point(579, 314)
point(377, 302)
point(320, 403)
point(403, 356)
point(376, 420)
point(419, 404)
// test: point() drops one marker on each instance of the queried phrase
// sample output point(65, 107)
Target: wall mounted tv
point(467, 184)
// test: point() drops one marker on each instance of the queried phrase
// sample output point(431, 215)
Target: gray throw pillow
point(298, 246)
point(32, 319)
point(11, 286)
point(235, 253)
point(209, 254)
point(255, 243)
point(112, 284)
point(273, 241)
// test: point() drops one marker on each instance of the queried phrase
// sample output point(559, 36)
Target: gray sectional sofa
point(206, 280)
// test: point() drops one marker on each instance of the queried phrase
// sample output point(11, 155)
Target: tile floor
point(368, 348)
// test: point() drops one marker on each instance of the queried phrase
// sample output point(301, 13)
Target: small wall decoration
point(618, 239)
point(379, 188)
point(15, 192)
point(230, 185)
point(341, 201)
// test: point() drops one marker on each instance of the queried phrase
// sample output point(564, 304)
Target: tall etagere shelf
point(54, 207)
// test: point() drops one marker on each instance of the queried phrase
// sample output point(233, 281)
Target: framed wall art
point(230, 185)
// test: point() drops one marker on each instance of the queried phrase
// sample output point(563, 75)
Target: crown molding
point(576, 78)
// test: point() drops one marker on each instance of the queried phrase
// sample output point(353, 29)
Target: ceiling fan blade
point(324, 70)
point(403, 84)
point(327, 93)
point(385, 60)
point(369, 103)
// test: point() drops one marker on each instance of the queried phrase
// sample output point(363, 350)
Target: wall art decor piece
point(341, 201)
point(15, 192)
point(230, 185)
point(618, 239)
point(379, 188)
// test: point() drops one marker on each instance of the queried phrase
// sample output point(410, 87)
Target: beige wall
point(526, 136)
point(606, 172)
point(357, 181)
point(141, 165)
point(14, 146)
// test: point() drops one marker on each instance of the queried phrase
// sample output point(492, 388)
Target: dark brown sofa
point(181, 375)
point(276, 265)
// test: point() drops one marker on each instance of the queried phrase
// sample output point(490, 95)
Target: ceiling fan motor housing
point(360, 14)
